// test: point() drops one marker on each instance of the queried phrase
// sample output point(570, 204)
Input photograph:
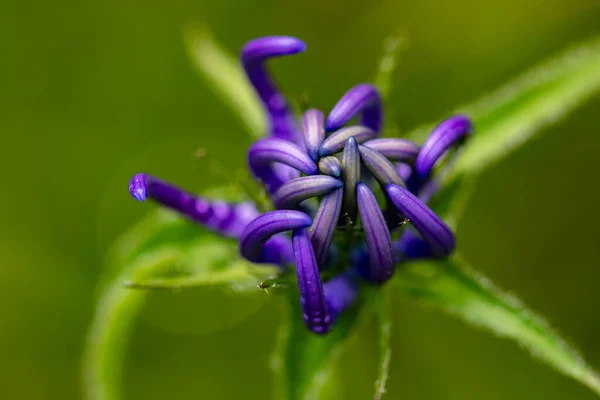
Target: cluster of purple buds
point(323, 177)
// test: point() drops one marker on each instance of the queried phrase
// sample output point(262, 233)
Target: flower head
point(323, 178)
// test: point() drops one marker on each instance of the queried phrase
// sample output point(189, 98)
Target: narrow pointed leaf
point(453, 288)
point(514, 114)
point(162, 252)
point(224, 74)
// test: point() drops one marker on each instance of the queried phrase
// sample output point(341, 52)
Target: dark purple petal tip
point(379, 243)
point(395, 149)
point(227, 219)
point(336, 142)
point(331, 166)
point(381, 168)
point(362, 98)
point(258, 50)
point(293, 192)
point(137, 187)
point(312, 297)
point(314, 131)
point(267, 225)
point(444, 136)
point(282, 123)
point(431, 227)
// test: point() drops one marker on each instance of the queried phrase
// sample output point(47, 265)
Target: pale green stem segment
point(163, 252)
point(382, 305)
point(225, 76)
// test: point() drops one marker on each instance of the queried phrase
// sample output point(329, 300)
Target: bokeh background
point(94, 91)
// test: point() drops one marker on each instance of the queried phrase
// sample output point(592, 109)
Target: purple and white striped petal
point(431, 227)
point(314, 131)
point(444, 136)
point(264, 152)
point(331, 166)
point(350, 176)
point(224, 218)
point(340, 293)
point(312, 297)
point(395, 149)
point(324, 224)
point(293, 192)
point(261, 229)
point(336, 142)
point(362, 98)
point(254, 56)
point(379, 243)
point(381, 168)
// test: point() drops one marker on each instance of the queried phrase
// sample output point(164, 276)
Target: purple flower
point(444, 136)
point(324, 224)
point(224, 218)
point(315, 310)
point(293, 192)
point(351, 176)
point(264, 153)
point(432, 229)
point(330, 166)
point(362, 99)
point(321, 180)
point(379, 243)
point(314, 132)
point(254, 56)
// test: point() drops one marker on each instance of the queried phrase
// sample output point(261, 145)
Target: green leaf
point(383, 310)
point(517, 112)
point(224, 74)
point(452, 287)
point(164, 251)
point(303, 361)
point(392, 46)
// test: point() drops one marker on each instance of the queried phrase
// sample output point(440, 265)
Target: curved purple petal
point(350, 176)
point(224, 218)
point(444, 136)
point(297, 190)
point(331, 166)
point(314, 131)
point(261, 229)
point(431, 227)
point(324, 224)
point(381, 168)
point(336, 142)
point(312, 297)
point(254, 56)
point(265, 152)
point(379, 243)
point(362, 98)
point(395, 149)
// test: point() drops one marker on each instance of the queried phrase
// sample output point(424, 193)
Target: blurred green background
point(95, 91)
